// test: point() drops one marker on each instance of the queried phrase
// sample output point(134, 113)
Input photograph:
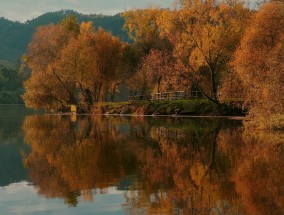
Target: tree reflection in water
point(184, 174)
point(180, 166)
point(258, 174)
point(67, 158)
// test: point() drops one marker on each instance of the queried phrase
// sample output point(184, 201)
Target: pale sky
point(22, 10)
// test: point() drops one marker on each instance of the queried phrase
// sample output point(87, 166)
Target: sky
point(23, 10)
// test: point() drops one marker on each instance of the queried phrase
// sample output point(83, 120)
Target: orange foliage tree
point(205, 34)
point(199, 37)
point(72, 64)
point(47, 88)
point(259, 62)
point(144, 30)
point(92, 60)
point(153, 51)
point(155, 72)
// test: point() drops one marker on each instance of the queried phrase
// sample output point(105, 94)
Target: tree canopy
point(222, 50)
point(71, 64)
point(259, 62)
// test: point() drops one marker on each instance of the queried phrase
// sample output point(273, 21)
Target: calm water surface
point(61, 165)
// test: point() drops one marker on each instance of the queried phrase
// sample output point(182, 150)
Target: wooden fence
point(167, 96)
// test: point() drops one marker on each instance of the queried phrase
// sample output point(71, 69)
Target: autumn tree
point(131, 57)
point(72, 64)
point(155, 73)
point(46, 88)
point(108, 54)
point(92, 60)
point(144, 30)
point(77, 63)
point(259, 62)
point(205, 34)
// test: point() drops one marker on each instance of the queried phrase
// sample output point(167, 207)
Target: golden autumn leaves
point(223, 50)
point(71, 64)
point(198, 39)
point(259, 63)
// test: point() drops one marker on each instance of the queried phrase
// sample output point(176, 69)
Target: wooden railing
point(139, 98)
point(167, 96)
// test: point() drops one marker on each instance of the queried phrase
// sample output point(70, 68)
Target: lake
point(53, 164)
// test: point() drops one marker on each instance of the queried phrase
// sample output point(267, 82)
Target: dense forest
point(228, 52)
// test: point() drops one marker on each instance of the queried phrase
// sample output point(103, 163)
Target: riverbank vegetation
point(223, 50)
point(193, 107)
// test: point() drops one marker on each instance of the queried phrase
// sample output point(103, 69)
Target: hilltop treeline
point(15, 36)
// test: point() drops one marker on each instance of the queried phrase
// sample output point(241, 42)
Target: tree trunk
point(213, 84)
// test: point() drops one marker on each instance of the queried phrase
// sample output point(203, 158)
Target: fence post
point(73, 109)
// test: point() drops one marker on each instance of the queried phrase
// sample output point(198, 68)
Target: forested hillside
point(11, 85)
point(14, 36)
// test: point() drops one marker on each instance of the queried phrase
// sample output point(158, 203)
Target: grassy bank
point(200, 107)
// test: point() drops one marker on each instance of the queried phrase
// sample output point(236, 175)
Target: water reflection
point(164, 166)
point(11, 143)
point(258, 174)
point(184, 174)
point(71, 159)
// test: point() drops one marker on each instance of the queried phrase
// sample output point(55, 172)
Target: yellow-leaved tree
point(205, 34)
point(72, 64)
point(47, 88)
point(92, 60)
point(259, 62)
point(144, 30)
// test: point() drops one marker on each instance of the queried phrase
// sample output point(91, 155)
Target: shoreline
point(140, 115)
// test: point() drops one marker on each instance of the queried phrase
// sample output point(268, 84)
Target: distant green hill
point(15, 36)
